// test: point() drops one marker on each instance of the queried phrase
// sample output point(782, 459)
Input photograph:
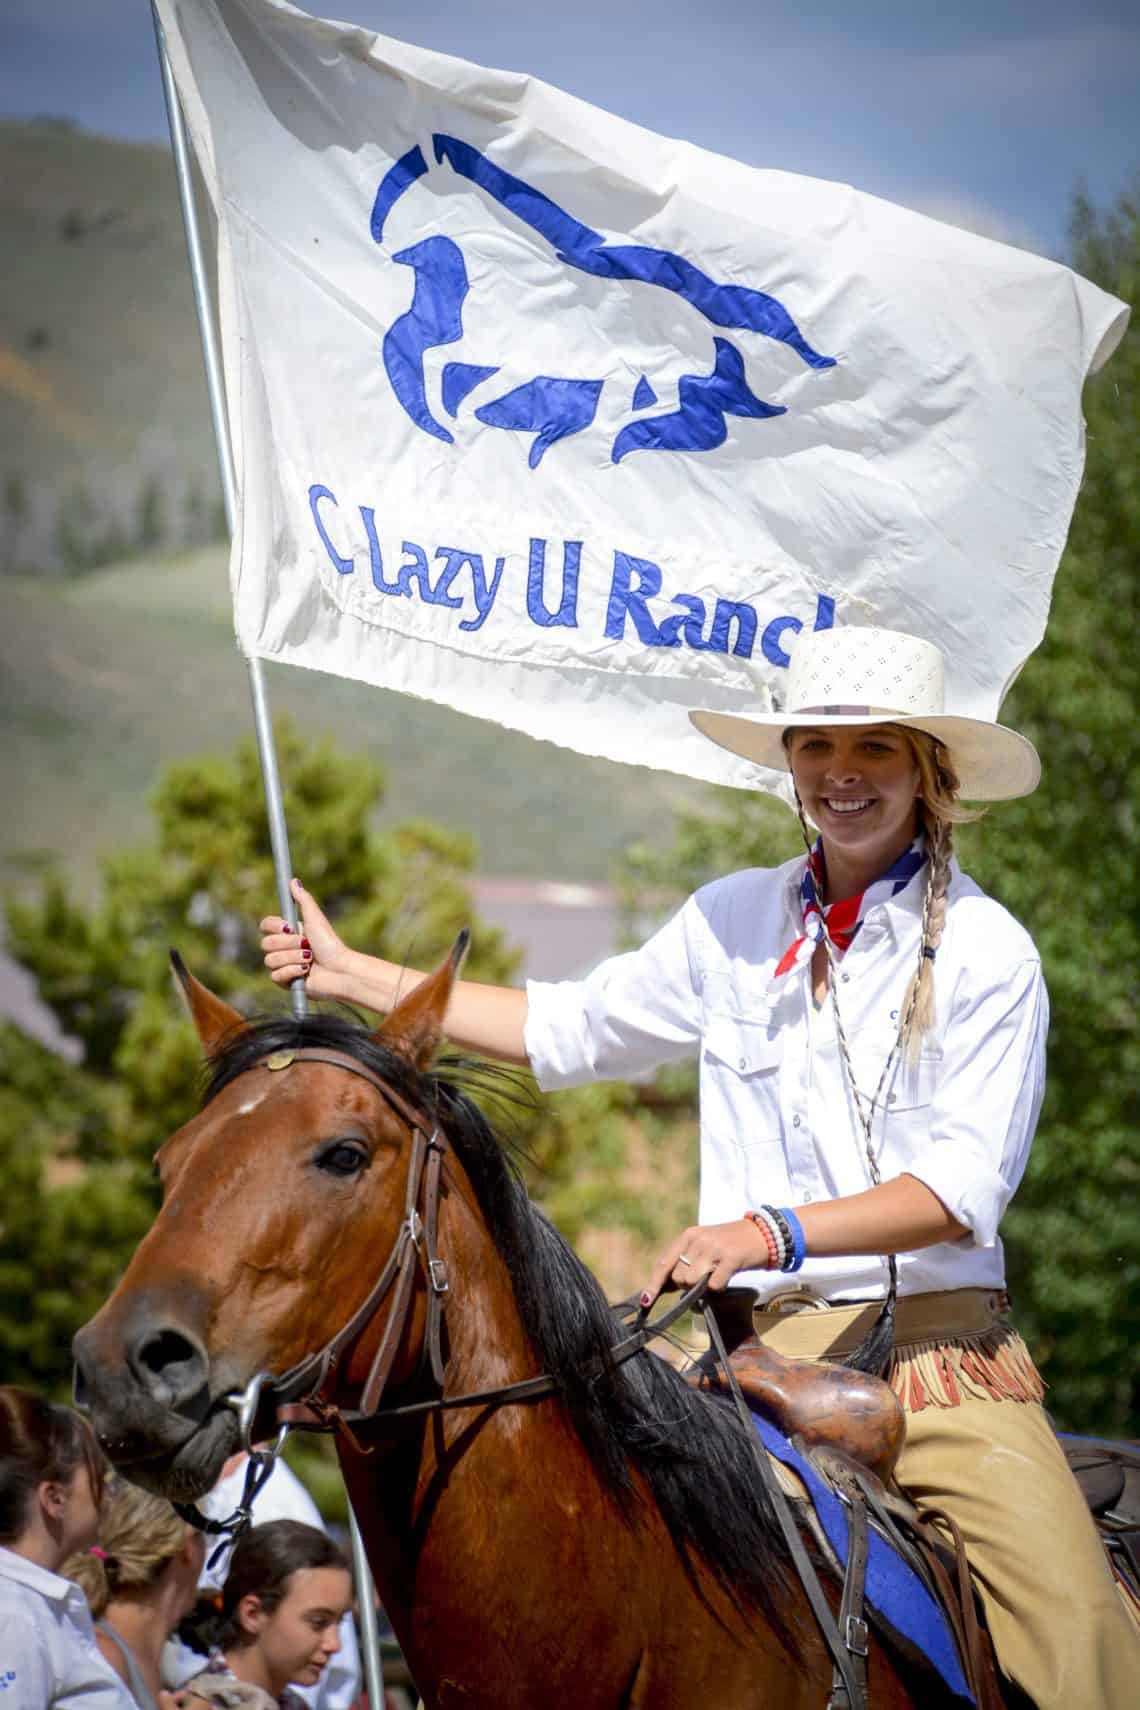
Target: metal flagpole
point(263, 725)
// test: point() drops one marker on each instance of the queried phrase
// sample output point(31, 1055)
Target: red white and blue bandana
point(844, 918)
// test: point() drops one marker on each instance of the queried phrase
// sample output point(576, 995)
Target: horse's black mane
point(689, 1447)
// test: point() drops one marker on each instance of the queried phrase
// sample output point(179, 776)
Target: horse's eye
point(342, 1158)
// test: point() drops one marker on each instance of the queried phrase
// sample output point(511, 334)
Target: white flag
point(570, 426)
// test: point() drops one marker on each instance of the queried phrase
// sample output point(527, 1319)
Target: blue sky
point(982, 112)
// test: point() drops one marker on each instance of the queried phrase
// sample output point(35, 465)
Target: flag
point(574, 427)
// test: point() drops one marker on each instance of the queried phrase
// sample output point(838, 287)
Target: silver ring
point(684, 1259)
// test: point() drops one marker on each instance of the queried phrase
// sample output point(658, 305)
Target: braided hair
point(939, 811)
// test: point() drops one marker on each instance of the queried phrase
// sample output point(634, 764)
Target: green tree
point(152, 515)
point(76, 1190)
point(76, 1144)
point(14, 509)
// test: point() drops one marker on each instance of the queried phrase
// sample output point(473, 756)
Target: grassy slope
point(105, 679)
point(100, 368)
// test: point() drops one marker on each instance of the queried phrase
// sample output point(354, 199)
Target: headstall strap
point(305, 1381)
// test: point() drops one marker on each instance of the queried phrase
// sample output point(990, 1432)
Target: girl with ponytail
point(871, 1033)
point(278, 1620)
point(140, 1579)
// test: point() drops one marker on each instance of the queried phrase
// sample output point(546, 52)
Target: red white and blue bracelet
point(783, 1236)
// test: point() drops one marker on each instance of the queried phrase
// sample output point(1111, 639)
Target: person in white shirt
point(871, 1033)
point(51, 1475)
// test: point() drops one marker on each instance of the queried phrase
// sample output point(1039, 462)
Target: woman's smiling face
point(859, 784)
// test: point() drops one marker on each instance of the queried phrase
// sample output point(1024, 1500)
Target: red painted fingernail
point(305, 945)
point(647, 1299)
point(285, 927)
point(306, 955)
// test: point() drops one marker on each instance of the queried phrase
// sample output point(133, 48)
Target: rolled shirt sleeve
point(631, 1014)
point(988, 1098)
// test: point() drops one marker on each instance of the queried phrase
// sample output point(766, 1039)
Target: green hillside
point(101, 387)
point(107, 677)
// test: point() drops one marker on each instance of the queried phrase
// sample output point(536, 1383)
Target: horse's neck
point(469, 1489)
point(421, 1481)
point(499, 1554)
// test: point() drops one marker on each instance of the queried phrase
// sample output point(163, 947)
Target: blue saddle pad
point(894, 1591)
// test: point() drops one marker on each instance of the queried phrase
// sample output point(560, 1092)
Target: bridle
point(416, 1247)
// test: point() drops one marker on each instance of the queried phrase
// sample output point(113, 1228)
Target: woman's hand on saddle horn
point(314, 954)
point(715, 1250)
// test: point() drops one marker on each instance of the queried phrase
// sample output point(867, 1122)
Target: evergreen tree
point(76, 1186)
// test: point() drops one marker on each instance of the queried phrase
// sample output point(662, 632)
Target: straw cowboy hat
point(854, 676)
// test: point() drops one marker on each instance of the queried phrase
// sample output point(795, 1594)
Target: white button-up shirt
point(48, 1656)
point(778, 1124)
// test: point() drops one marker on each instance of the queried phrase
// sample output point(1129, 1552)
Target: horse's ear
point(414, 1028)
point(213, 1019)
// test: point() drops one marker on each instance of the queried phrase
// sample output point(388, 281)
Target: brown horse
point(605, 1545)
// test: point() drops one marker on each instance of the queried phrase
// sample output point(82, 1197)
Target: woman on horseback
point(871, 1030)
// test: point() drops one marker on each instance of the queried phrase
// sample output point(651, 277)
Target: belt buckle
point(789, 1300)
point(855, 1635)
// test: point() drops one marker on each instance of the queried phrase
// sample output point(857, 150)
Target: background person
point(139, 1580)
point(281, 1497)
point(287, 1589)
point(871, 1030)
point(51, 1478)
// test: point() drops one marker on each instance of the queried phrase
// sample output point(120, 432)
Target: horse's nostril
point(168, 1348)
point(170, 1364)
point(80, 1391)
point(164, 1350)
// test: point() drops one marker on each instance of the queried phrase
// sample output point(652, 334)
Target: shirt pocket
point(741, 1103)
point(745, 1046)
point(910, 1086)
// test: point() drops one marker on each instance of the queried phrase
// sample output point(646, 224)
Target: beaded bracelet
point(783, 1238)
point(783, 1235)
point(799, 1244)
point(785, 1232)
point(766, 1230)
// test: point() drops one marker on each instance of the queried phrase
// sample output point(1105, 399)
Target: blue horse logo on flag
point(552, 407)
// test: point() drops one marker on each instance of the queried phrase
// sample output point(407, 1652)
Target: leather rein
point(416, 1248)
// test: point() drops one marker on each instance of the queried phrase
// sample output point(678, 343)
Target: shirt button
point(744, 1062)
point(807, 1198)
point(892, 1097)
point(845, 978)
point(795, 1121)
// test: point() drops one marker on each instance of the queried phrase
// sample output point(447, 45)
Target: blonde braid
point(919, 1006)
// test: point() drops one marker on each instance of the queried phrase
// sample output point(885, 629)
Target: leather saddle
point(851, 1427)
point(821, 1406)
